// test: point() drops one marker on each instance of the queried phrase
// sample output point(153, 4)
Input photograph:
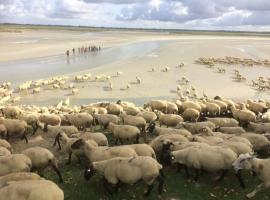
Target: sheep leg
point(25, 138)
point(224, 172)
point(197, 175)
point(137, 139)
point(108, 187)
point(7, 136)
point(116, 141)
point(186, 171)
point(161, 182)
point(57, 171)
point(121, 141)
point(79, 159)
point(257, 189)
point(45, 129)
point(150, 188)
point(240, 179)
point(69, 158)
point(35, 127)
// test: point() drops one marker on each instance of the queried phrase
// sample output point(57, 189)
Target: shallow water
point(37, 68)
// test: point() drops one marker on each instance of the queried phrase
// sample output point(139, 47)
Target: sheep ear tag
point(79, 143)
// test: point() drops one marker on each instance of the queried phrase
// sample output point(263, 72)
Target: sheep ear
point(78, 144)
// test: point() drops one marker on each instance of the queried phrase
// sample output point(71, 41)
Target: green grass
point(176, 185)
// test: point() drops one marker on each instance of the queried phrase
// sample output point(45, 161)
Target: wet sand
point(168, 50)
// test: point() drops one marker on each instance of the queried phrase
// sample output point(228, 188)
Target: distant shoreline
point(9, 27)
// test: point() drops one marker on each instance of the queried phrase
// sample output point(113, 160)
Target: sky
point(239, 15)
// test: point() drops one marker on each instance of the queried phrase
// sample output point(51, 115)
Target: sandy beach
point(135, 54)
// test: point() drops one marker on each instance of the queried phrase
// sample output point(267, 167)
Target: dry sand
point(174, 49)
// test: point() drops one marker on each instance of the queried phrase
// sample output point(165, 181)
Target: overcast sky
point(253, 15)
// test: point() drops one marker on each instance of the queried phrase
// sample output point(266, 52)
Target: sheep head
point(89, 172)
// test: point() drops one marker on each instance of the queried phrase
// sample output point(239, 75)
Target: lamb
point(95, 153)
point(80, 120)
point(163, 131)
point(128, 170)
point(148, 116)
point(49, 119)
point(223, 122)
point(156, 105)
point(42, 158)
point(125, 132)
point(14, 163)
point(15, 127)
point(157, 143)
point(169, 119)
point(259, 166)
point(259, 127)
point(104, 119)
point(196, 127)
point(257, 107)
point(208, 158)
point(31, 190)
point(134, 121)
point(231, 130)
point(4, 151)
point(191, 114)
point(98, 137)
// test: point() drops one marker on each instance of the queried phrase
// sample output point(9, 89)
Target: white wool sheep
point(171, 108)
point(163, 131)
point(31, 190)
point(95, 153)
point(128, 170)
point(19, 176)
point(31, 119)
point(259, 166)
point(197, 126)
point(208, 158)
point(148, 116)
point(125, 132)
point(131, 110)
point(212, 109)
point(104, 119)
point(11, 112)
point(4, 151)
point(143, 150)
point(231, 130)
point(190, 104)
point(259, 127)
point(14, 163)
point(244, 116)
point(259, 142)
point(191, 114)
point(169, 119)
point(42, 158)
point(79, 120)
point(134, 121)
point(223, 106)
point(223, 122)
point(265, 117)
point(49, 119)
point(6, 144)
point(114, 109)
point(15, 128)
point(257, 107)
point(157, 143)
point(98, 137)
point(156, 105)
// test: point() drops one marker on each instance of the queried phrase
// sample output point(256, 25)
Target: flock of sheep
point(214, 135)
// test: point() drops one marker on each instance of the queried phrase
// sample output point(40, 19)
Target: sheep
point(128, 170)
point(67, 143)
point(104, 119)
point(31, 119)
point(148, 116)
point(156, 105)
point(131, 110)
point(244, 116)
point(265, 117)
point(54, 130)
point(80, 120)
point(98, 137)
point(4, 151)
point(14, 163)
point(157, 143)
point(163, 131)
point(190, 104)
point(259, 142)
point(134, 121)
point(191, 114)
point(212, 109)
point(31, 190)
point(114, 109)
point(208, 158)
point(95, 153)
point(196, 127)
point(169, 119)
point(11, 112)
point(259, 127)
point(49, 119)
point(36, 90)
point(259, 166)
point(143, 150)
point(257, 107)
point(15, 127)
point(42, 158)
point(223, 106)
point(19, 176)
point(230, 130)
point(223, 122)
point(5, 144)
point(125, 132)
point(171, 108)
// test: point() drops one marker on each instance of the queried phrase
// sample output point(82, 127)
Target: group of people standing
point(83, 50)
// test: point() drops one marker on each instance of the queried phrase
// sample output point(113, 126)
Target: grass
point(176, 186)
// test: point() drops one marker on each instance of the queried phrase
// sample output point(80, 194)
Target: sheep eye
point(88, 170)
point(172, 157)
